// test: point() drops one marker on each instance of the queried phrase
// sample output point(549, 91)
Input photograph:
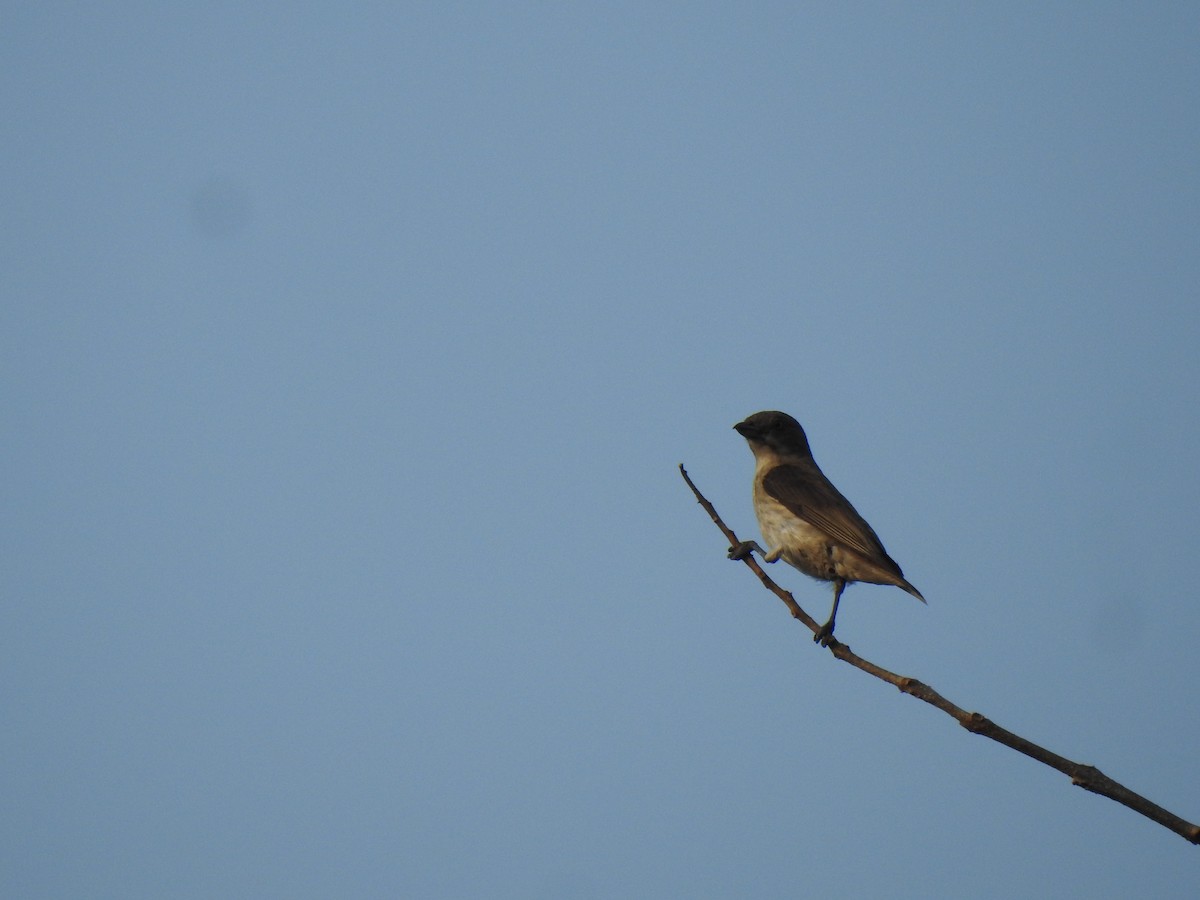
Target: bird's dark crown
point(777, 430)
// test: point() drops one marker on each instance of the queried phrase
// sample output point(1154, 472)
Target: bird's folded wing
point(810, 495)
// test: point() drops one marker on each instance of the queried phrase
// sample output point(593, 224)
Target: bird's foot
point(824, 635)
point(744, 549)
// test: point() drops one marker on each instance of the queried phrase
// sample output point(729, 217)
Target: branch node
point(977, 724)
point(1088, 777)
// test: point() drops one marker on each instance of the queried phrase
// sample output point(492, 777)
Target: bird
point(805, 520)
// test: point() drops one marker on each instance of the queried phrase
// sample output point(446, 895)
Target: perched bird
point(805, 520)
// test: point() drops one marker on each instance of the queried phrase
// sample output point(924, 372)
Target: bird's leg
point(825, 634)
point(744, 549)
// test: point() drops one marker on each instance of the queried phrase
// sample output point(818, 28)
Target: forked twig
point(1087, 777)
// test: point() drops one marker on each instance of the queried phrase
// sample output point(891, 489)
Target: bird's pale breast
point(803, 546)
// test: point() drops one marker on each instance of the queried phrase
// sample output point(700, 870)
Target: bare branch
point(1087, 777)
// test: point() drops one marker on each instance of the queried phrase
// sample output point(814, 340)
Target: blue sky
point(348, 356)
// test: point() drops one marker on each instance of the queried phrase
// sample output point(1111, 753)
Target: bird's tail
point(912, 590)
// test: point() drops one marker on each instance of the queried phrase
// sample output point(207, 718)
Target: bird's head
point(775, 431)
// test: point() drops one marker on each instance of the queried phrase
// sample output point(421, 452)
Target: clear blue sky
point(348, 353)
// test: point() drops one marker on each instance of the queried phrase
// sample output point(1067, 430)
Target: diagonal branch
point(1087, 777)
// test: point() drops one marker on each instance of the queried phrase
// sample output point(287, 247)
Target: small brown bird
point(805, 520)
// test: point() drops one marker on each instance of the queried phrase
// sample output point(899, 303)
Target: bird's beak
point(746, 431)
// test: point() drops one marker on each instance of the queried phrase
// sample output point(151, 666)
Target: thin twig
point(1087, 777)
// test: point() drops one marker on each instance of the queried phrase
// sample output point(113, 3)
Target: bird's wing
point(807, 493)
